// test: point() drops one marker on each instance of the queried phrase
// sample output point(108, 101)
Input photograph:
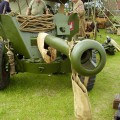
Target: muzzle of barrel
point(81, 57)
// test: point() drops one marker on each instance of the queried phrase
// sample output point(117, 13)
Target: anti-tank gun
point(21, 48)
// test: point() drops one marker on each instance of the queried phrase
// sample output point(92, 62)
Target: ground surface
point(50, 97)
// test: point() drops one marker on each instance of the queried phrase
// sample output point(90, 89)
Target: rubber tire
point(91, 80)
point(4, 75)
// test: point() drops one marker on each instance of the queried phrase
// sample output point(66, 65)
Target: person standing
point(78, 7)
point(37, 7)
point(5, 7)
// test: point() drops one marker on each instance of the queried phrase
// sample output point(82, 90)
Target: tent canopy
point(59, 1)
point(64, 1)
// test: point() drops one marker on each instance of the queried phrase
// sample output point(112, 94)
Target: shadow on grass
point(25, 81)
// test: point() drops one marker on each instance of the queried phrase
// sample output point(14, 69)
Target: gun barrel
point(80, 55)
point(57, 43)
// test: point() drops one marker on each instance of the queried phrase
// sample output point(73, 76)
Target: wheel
point(4, 68)
point(89, 81)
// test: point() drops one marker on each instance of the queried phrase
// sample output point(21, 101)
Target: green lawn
point(44, 97)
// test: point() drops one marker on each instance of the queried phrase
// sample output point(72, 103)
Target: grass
point(37, 97)
point(43, 97)
point(107, 85)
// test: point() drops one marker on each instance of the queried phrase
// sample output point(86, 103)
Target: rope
point(42, 23)
point(10, 55)
point(11, 61)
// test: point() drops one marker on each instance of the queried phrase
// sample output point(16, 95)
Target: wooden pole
point(27, 2)
point(19, 6)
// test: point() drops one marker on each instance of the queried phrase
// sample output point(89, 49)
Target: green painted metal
point(74, 25)
point(62, 66)
point(12, 34)
point(61, 22)
point(86, 68)
point(57, 43)
point(24, 43)
point(41, 67)
point(21, 41)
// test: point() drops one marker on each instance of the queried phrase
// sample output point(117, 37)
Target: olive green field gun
point(19, 50)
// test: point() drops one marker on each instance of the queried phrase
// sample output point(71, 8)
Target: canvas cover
point(82, 108)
